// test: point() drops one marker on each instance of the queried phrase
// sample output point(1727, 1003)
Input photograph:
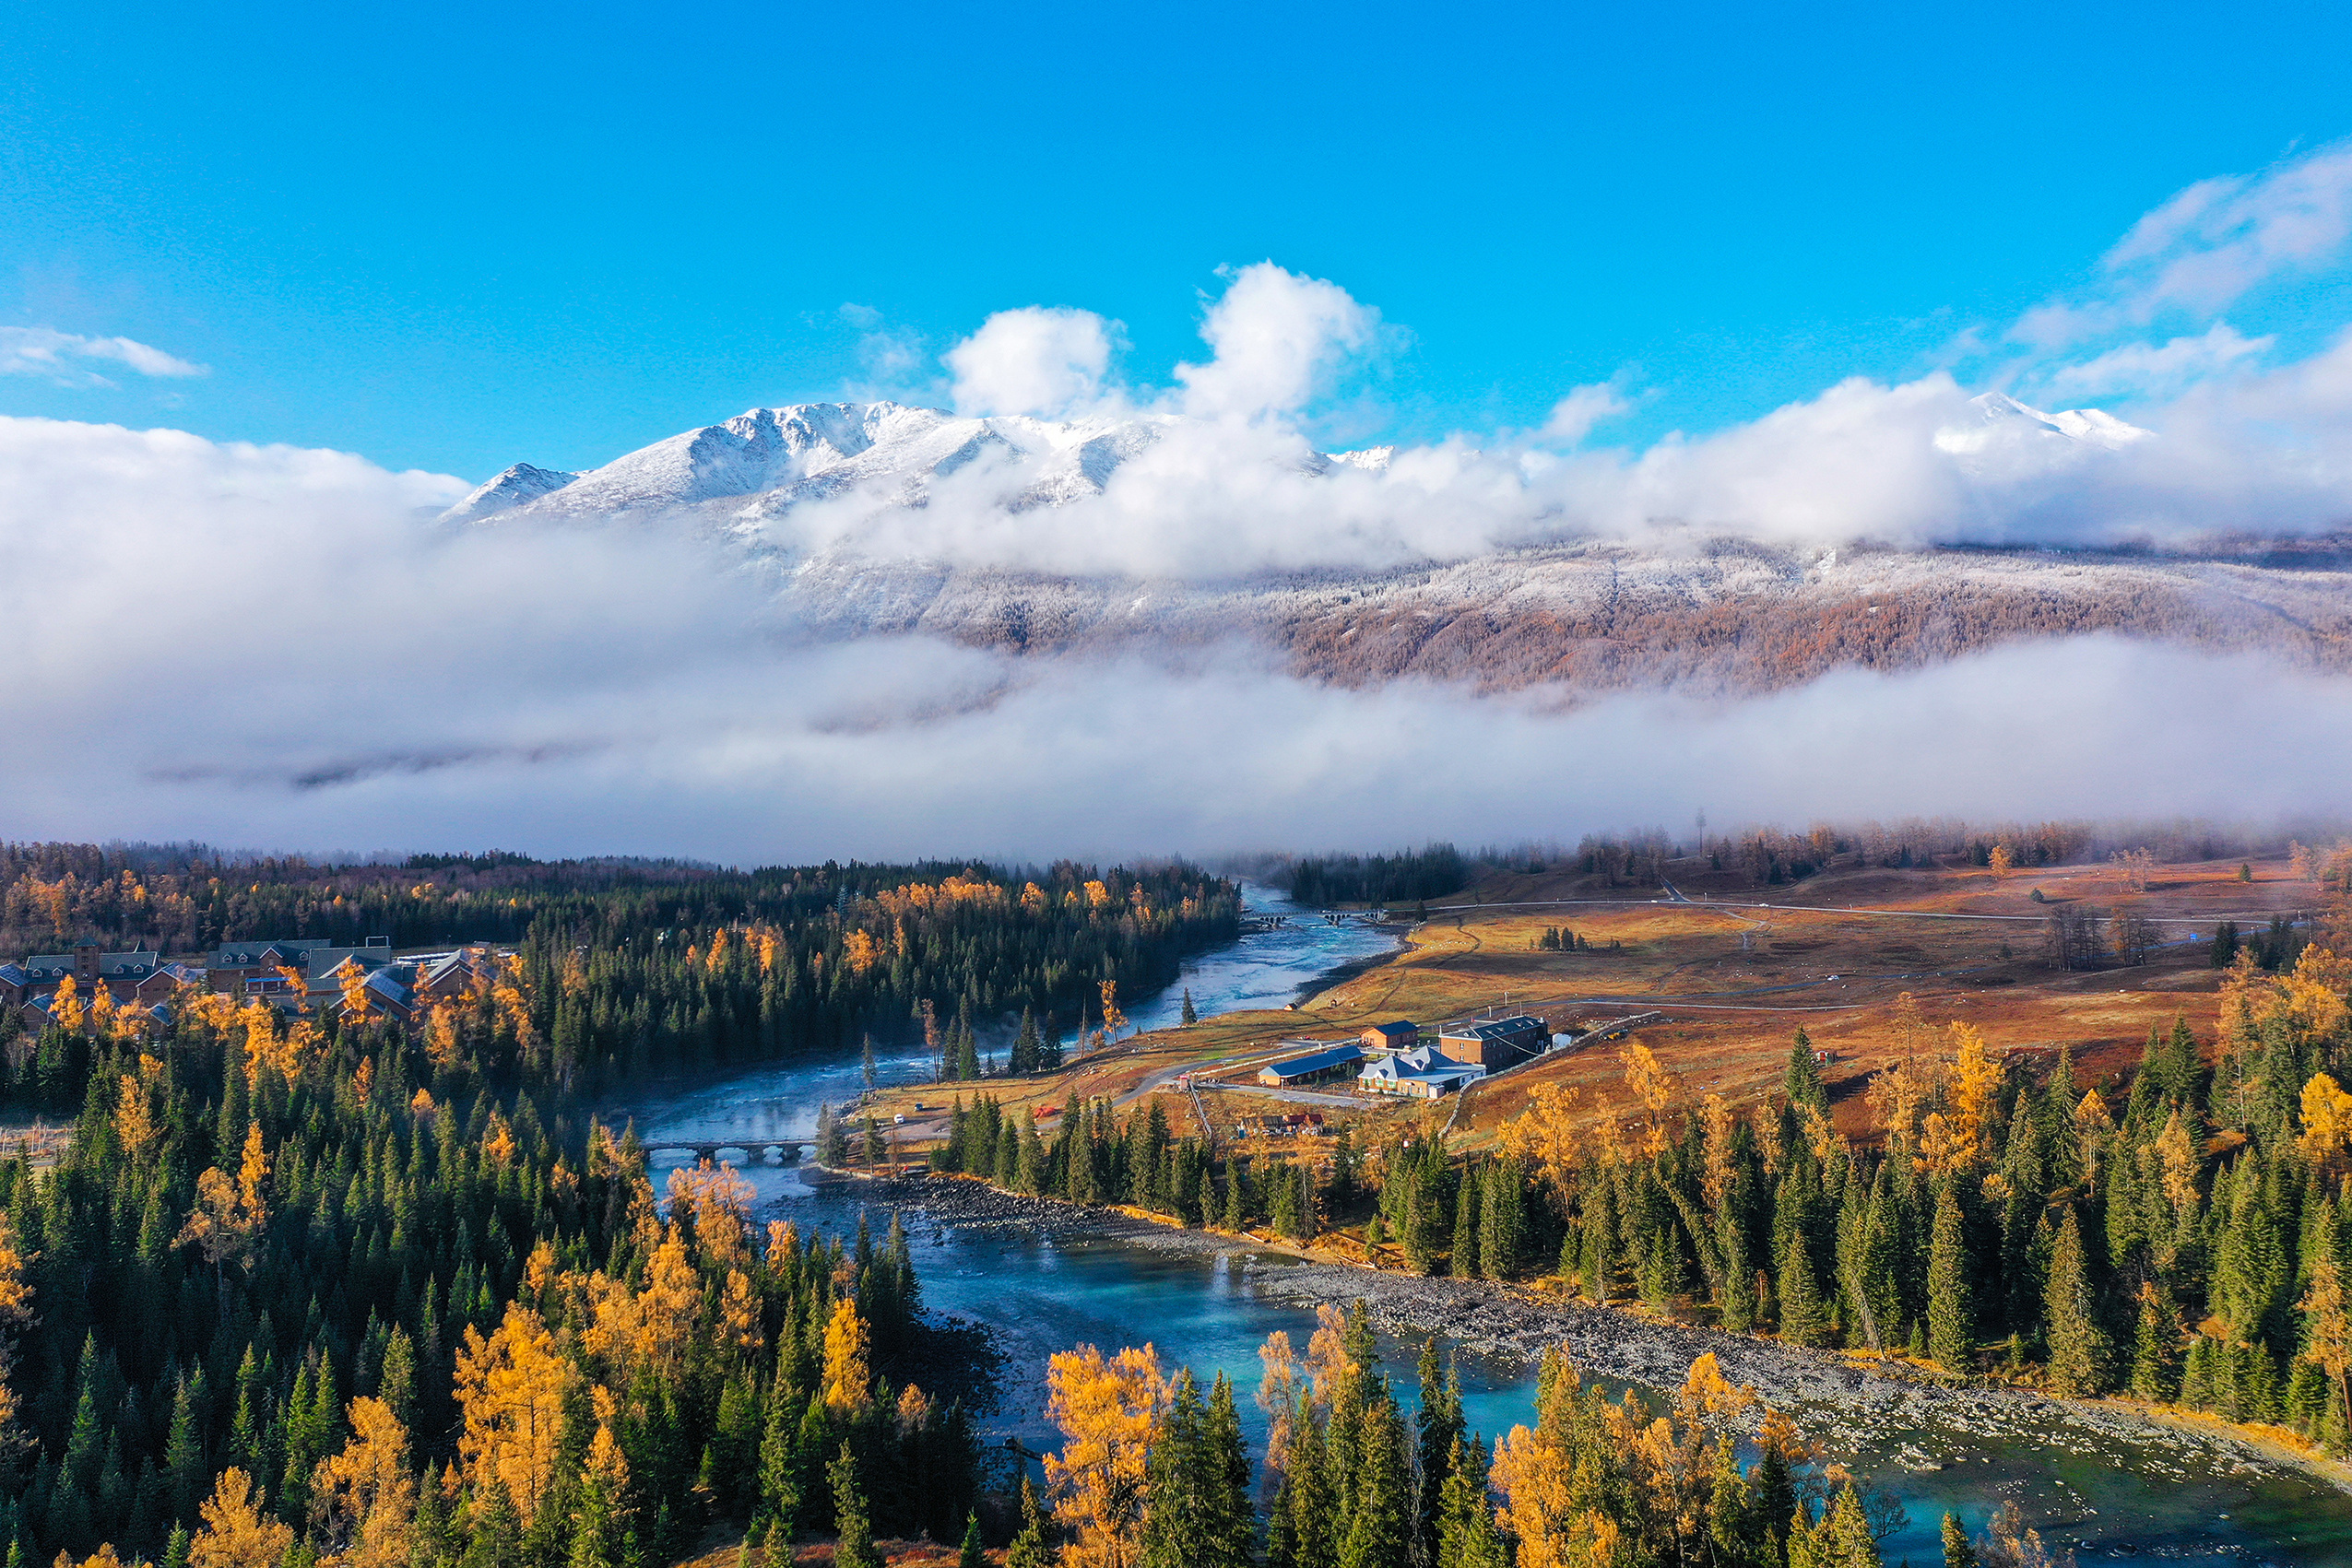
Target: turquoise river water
point(2108, 1501)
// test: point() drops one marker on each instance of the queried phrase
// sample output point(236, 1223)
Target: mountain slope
point(518, 486)
point(1699, 613)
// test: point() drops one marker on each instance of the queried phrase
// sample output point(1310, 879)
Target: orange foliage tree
point(511, 1388)
point(1109, 1411)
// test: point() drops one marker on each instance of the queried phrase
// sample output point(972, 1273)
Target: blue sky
point(450, 238)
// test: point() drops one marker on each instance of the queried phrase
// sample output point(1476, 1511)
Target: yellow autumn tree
point(511, 1388)
point(1534, 1471)
point(848, 1383)
point(716, 1202)
point(857, 950)
point(236, 1533)
point(228, 1215)
point(133, 1123)
point(15, 1315)
point(104, 1557)
point(1109, 1411)
point(66, 1008)
point(2327, 1122)
point(441, 1036)
point(1654, 1085)
point(364, 1498)
point(1544, 1136)
point(353, 982)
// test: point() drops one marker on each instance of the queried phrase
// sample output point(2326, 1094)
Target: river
point(1038, 1294)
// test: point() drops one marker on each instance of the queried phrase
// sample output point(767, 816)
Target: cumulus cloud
point(1034, 360)
point(279, 653)
point(1275, 337)
point(66, 358)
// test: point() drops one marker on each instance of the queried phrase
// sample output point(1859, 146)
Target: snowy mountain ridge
point(765, 460)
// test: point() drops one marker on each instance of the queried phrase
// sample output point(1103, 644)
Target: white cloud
point(1572, 416)
point(573, 690)
point(2209, 246)
point(65, 356)
point(1038, 360)
point(1275, 337)
point(2144, 369)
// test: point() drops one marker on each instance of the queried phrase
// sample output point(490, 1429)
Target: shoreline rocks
point(1896, 1415)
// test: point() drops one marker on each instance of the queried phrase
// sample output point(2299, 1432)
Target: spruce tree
point(1959, 1553)
point(854, 1536)
point(1466, 1533)
point(2077, 1344)
point(1173, 1506)
point(1229, 1519)
point(1501, 1220)
point(1802, 1084)
point(1465, 1254)
point(974, 1554)
point(1191, 1014)
point(1951, 1317)
point(1378, 1528)
point(1033, 1543)
point(1438, 1430)
point(1312, 1523)
point(2153, 1342)
point(1803, 1320)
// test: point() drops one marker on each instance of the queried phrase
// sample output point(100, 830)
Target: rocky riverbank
point(1882, 1412)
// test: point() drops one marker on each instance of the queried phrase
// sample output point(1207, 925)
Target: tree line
point(278, 1302)
point(612, 982)
point(2186, 1237)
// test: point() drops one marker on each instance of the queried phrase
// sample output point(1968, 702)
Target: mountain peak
point(518, 486)
point(1997, 418)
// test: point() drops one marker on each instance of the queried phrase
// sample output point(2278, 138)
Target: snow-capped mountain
point(766, 460)
point(1692, 610)
point(1997, 420)
point(518, 486)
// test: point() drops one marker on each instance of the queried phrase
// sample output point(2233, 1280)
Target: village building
point(142, 975)
point(1494, 1044)
point(258, 968)
point(1398, 1035)
point(1422, 1073)
point(1330, 1063)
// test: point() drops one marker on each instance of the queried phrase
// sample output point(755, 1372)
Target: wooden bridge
point(786, 1153)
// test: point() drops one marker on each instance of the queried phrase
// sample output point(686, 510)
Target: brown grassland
point(1731, 973)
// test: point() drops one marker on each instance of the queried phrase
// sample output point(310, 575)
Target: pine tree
point(1466, 1533)
point(1190, 1016)
point(1465, 1254)
point(2077, 1344)
point(1802, 1084)
point(1033, 1544)
point(974, 1553)
point(854, 1539)
point(1951, 1317)
point(2153, 1342)
point(1802, 1319)
point(1379, 1528)
point(1957, 1550)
